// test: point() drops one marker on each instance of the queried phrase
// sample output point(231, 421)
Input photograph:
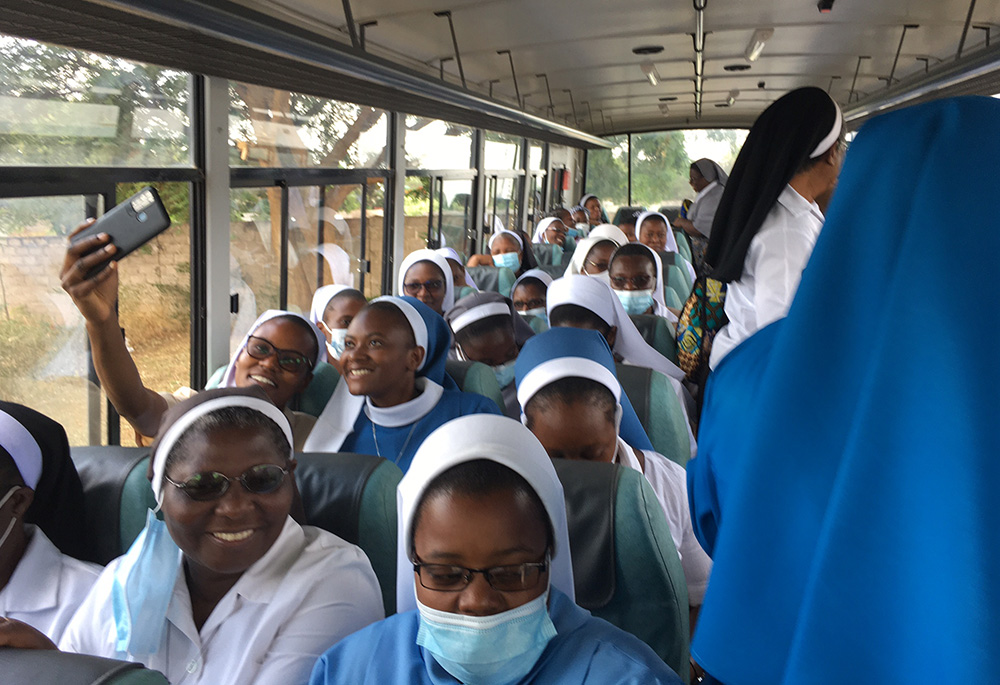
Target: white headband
point(483, 311)
point(22, 447)
point(565, 367)
point(496, 235)
point(415, 320)
point(181, 425)
point(832, 136)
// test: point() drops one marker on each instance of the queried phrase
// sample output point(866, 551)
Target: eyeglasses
point(600, 266)
point(524, 305)
point(289, 360)
point(259, 480)
point(513, 578)
point(641, 281)
point(412, 289)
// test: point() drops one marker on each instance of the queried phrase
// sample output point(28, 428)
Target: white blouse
point(702, 211)
point(47, 586)
point(771, 272)
point(669, 481)
point(308, 591)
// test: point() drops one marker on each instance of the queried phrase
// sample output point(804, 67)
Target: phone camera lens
point(141, 216)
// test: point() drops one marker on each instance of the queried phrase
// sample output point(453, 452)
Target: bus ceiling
point(562, 72)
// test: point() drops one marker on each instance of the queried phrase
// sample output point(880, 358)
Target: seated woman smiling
point(485, 579)
point(227, 588)
point(395, 390)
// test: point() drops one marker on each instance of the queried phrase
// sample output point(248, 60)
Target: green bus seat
point(625, 567)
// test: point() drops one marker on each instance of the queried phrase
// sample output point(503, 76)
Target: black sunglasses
point(259, 480)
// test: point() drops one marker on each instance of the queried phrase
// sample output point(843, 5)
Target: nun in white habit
point(532, 635)
point(452, 254)
point(44, 587)
point(628, 343)
point(439, 301)
point(659, 303)
point(604, 232)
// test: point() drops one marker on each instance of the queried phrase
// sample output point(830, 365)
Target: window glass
point(607, 174)
point(436, 144)
point(661, 162)
point(269, 127)
point(254, 256)
point(438, 213)
point(503, 201)
point(154, 297)
point(63, 107)
point(536, 156)
point(43, 356)
point(501, 151)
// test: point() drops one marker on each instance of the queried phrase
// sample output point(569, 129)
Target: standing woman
point(227, 589)
point(707, 180)
point(768, 220)
point(394, 391)
point(485, 578)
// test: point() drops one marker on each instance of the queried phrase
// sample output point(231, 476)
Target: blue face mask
point(141, 590)
point(505, 373)
point(507, 259)
point(335, 347)
point(573, 233)
point(487, 650)
point(635, 301)
point(537, 312)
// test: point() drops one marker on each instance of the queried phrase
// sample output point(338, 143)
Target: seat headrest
point(332, 486)
point(66, 668)
point(590, 490)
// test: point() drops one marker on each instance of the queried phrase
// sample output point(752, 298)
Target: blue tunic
point(586, 650)
point(453, 403)
point(847, 476)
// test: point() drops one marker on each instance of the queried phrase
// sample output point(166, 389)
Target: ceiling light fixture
point(733, 94)
point(664, 108)
point(756, 44)
point(649, 70)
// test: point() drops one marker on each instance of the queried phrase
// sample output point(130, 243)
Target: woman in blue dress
point(394, 391)
point(485, 580)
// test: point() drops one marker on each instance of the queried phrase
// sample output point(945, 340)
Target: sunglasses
point(289, 360)
point(259, 480)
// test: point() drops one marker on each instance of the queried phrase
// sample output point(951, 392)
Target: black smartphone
point(130, 224)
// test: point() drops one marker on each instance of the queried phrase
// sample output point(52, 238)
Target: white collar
point(408, 412)
point(704, 191)
point(798, 205)
point(34, 584)
point(625, 456)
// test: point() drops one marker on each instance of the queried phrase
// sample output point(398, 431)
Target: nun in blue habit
point(847, 476)
point(395, 391)
point(536, 635)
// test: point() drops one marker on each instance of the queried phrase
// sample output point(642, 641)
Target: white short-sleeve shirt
point(771, 272)
point(669, 481)
point(47, 586)
point(308, 591)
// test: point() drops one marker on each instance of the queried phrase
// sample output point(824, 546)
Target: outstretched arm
point(96, 298)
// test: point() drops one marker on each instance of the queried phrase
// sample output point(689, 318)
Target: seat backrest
point(475, 377)
point(66, 668)
point(350, 495)
point(683, 244)
point(116, 497)
point(658, 332)
point(312, 400)
point(538, 324)
point(677, 259)
point(671, 298)
point(659, 410)
point(676, 279)
point(554, 270)
point(497, 279)
point(625, 567)
point(465, 291)
point(547, 255)
point(354, 496)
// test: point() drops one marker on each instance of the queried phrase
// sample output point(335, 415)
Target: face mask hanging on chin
point(487, 650)
point(504, 373)
point(604, 276)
